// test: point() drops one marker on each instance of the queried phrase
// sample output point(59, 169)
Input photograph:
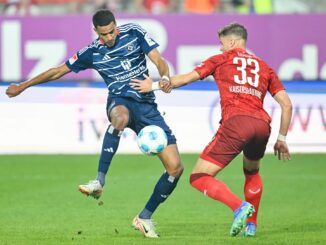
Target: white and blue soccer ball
point(152, 140)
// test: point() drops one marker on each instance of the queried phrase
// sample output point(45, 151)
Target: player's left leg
point(253, 187)
point(167, 182)
point(172, 163)
point(202, 179)
point(230, 139)
point(162, 190)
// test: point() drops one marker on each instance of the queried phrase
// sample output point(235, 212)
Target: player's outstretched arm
point(147, 85)
point(280, 148)
point(49, 75)
point(183, 79)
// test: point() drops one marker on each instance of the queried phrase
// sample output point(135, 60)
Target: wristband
point(165, 77)
point(155, 86)
point(281, 137)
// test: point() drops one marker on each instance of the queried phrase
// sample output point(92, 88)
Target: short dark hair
point(103, 17)
point(234, 29)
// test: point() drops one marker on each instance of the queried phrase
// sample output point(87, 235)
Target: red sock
point(253, 189)
point(215, 189)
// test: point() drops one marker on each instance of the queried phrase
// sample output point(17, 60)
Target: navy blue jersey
point(118, 64)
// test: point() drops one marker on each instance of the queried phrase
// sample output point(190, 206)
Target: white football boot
point(145, 226)
point(92, 188)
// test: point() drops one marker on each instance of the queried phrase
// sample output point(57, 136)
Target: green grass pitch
point(40, 203)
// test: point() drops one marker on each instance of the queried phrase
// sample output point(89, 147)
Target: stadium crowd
point(59, 7)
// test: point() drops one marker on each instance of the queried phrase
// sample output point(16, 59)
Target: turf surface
point(40, 204)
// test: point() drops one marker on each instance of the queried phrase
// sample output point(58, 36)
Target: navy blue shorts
point(141, 114)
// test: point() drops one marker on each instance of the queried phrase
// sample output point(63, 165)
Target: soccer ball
point(152, 140)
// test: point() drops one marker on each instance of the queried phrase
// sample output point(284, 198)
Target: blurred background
point(64, 7)
point(68, 116)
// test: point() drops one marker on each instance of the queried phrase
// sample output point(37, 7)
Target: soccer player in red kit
point(243, 81)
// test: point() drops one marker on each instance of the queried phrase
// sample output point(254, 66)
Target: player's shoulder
point(218, 58)
point(131, 28)
point(95, 44)
point(90, 48)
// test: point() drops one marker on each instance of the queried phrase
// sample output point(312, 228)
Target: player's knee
point(179, 170)
point(251, 168)
point(120, 121)
point(176, 171)
point(251, 171)
point(251, 164)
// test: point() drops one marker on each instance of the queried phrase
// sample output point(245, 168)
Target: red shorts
point(239, 133)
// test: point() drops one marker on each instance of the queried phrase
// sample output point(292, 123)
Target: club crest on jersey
point(130, 47)
point(73, 59)
point(126, 64)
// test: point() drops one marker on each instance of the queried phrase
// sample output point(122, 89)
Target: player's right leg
point(119, 117)
point(250, 230)
point(253, 189)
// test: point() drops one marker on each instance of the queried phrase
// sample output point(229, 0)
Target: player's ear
point(232, 42)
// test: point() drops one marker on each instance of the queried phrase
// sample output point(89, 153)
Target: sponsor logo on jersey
point(131, 74)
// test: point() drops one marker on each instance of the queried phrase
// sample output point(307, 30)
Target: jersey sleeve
point(146, 42)
point(82, 60)
point(207, 67)
point(275, 84)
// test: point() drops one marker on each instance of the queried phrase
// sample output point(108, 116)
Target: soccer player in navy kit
point(118, 54)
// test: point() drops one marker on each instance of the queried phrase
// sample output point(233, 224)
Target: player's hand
point(166, 86)
point(143, 86)
point(14, 90)
point(281, 150)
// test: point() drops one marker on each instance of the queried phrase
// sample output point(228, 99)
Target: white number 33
point(243, 63)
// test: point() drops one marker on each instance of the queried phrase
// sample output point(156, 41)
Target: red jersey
point(243, 81)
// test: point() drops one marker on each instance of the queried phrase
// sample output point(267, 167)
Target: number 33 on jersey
point(241, 77)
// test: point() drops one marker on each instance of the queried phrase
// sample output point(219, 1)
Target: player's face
point(226, 43)
point(108, 33)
